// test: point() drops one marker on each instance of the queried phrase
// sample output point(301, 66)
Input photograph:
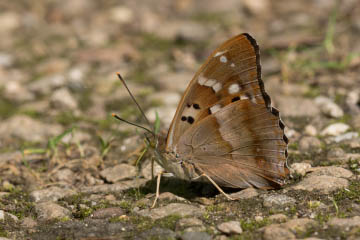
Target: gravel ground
point(68, 168)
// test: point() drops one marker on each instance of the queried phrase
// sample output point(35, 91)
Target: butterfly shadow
point(182, 188)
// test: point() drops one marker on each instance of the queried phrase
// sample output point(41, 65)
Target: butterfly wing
point(239, 146)
point(232, 71)
point(225, 125)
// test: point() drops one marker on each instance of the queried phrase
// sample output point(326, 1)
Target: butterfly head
point(168, 159)
point(156, 142)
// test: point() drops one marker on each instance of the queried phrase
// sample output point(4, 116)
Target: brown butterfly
point(225, 130)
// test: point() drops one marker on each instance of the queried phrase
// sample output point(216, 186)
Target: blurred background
point(58, 64)
point(58, 88)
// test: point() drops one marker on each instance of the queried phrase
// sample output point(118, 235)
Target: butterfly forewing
point(232, 72)
point(225, 125)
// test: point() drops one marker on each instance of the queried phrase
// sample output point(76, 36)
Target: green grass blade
point(157, 123)
point(330, 33)
point(53, 142)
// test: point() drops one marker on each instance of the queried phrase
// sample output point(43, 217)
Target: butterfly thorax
point(172, 162)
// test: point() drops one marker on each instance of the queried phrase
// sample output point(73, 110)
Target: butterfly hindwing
point(239, 146)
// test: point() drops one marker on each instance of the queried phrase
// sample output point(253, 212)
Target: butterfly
point(225, 130)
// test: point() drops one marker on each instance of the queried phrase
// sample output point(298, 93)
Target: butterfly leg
point(157, 189)
point(217, 186)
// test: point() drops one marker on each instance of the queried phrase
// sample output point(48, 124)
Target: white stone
point(2, 215)
point(29, 129)
point(310, 130)
point(50, 194)
point(274, 231)
point(47, 84)
point(232, 227)
point(146, 170)
point(180, 209)
point(353, 97)
point(323, 184)
point(121, 14)
point(15, 91)
point(51, 211)
point(258, 8)
point(119, 172)
point(346, 136)
point(9, 21)
point(62, 98)
point(290, 132)
point(245, 194)
point(278, 217)
point(115, 187)
point(335, 129)
point(344, 223)
point(6, 60)
point(332, 171)
point(328, 107)
point(300, 168)
point(278, 200)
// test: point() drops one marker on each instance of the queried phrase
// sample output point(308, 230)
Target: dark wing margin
point(258, 64)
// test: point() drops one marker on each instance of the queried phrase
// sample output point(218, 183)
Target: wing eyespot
point(183, 118)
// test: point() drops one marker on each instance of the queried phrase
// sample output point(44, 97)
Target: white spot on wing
point(201, 80)
point(217, 86)
point(220, 53)
point(223, 59)
point(232, 64)
point(243, 97)
point(210, 82)
point(215, 108)
point(234, 88)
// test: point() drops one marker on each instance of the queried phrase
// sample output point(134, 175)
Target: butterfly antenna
point(134, 124)
point(133, 98)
